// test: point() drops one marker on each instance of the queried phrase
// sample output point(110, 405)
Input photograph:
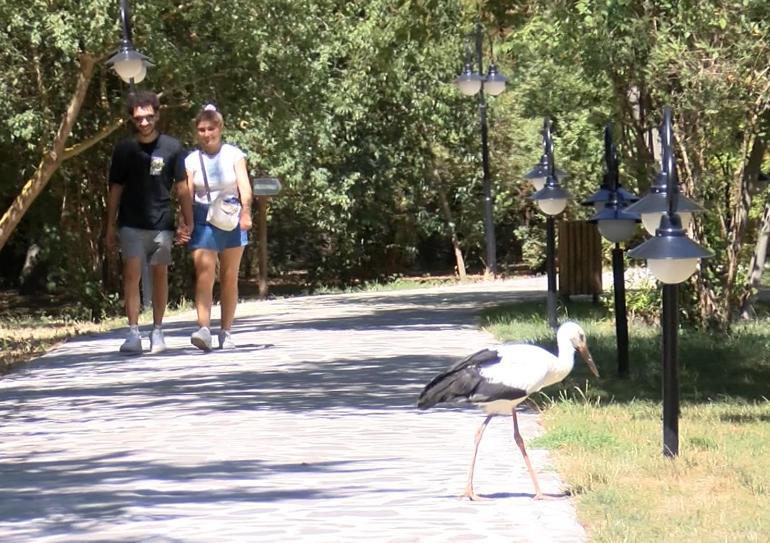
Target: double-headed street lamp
point(540, 172)
point(551, 198)
point(671, 257)
point(471, 82)
point(655, 205)
point(615, 225)
point(128, 63)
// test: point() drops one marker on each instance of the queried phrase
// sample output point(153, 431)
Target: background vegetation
point(351, 105)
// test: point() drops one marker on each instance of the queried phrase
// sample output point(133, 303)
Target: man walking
point(143, 172)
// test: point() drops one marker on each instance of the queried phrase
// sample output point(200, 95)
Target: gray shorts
point(154, 245)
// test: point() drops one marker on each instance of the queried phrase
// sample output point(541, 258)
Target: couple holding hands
point(144, 171)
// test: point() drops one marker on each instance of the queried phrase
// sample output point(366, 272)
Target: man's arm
point(113, 202)
point(184, 196)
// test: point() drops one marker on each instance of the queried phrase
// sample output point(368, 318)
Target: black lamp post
point(654, 205)
point(551, 199)
point(600, 198)
point(672, 257)
point(469, 83)
point(128, 63)
point(615, 225)
point(539, 173)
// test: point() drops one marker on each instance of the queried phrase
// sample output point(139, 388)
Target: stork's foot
point(541, 497)
point(470, 495)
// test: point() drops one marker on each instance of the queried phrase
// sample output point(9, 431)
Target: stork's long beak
point(584, 352)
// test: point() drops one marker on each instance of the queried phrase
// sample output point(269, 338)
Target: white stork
point(501, 378)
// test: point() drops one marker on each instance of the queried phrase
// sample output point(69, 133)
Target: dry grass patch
point(23, 339)
point(718, 489)
point(26, 334)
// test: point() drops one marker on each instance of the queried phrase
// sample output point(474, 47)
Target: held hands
point(183, 233)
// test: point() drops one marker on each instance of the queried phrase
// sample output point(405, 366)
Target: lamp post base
point(621, 319)
point(670, 371)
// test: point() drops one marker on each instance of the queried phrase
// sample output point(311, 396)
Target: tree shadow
point(371, 383)
point(109, 486)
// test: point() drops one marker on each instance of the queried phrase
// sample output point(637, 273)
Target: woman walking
point(216, 174)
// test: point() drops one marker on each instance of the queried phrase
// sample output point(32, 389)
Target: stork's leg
point(469, 493)
point(520, 442)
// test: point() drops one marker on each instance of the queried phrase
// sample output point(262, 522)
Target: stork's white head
point(570, 333)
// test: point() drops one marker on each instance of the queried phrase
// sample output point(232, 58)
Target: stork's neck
point(565, 360)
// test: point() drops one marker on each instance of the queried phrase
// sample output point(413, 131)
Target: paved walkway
point(307, 432)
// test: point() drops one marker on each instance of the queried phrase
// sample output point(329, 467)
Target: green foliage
point(352, 106)
point(533, 252)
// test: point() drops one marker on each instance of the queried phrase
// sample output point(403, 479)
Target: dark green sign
point(266, 186)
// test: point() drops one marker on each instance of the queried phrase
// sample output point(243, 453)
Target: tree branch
point(52, 157)
point(81, 146)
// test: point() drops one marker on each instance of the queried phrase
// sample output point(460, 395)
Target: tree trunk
point(447, 212)
point(757, 265)
point(52, 158)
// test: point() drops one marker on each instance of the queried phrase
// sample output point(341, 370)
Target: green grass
point(606, 434)
point(398, 283)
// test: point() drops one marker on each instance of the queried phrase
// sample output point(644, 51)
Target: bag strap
point(205, 177)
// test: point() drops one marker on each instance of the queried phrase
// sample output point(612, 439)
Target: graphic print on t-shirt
point(156, 165)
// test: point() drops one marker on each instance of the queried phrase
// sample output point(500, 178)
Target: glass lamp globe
point(493, 88)
point(468, 82)
point(138, 78)
point(616, 230)
point(651, 221)
point(128, 67)
point(495, 82)
point(672, 270)
point(552, 206)
point(537, 182)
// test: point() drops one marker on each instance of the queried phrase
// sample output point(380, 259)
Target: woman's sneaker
point(157, 343)
point(226, 340)
point(201, 338)
point(133, 342)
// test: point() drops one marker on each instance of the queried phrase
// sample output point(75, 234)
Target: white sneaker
point(226, 340)
point(133, 342)
point(157, 343)
point(201, 338)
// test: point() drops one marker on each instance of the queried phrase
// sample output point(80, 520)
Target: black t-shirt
point(147, 172)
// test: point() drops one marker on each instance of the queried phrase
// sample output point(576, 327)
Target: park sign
point(266, 186)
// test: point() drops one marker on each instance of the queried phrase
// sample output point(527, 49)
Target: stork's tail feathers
point(457, 383)
point(449, 387)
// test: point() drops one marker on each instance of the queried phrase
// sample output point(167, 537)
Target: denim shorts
point(206, 236)
point(153, 245)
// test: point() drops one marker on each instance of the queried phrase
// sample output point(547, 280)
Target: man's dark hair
point(142, 98)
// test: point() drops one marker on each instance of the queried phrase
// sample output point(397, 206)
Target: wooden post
point(263, 188)
point(262, 249)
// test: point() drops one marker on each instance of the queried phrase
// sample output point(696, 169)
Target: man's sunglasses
point(139, 118)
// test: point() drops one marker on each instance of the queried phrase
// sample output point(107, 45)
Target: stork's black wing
point(459, 381)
